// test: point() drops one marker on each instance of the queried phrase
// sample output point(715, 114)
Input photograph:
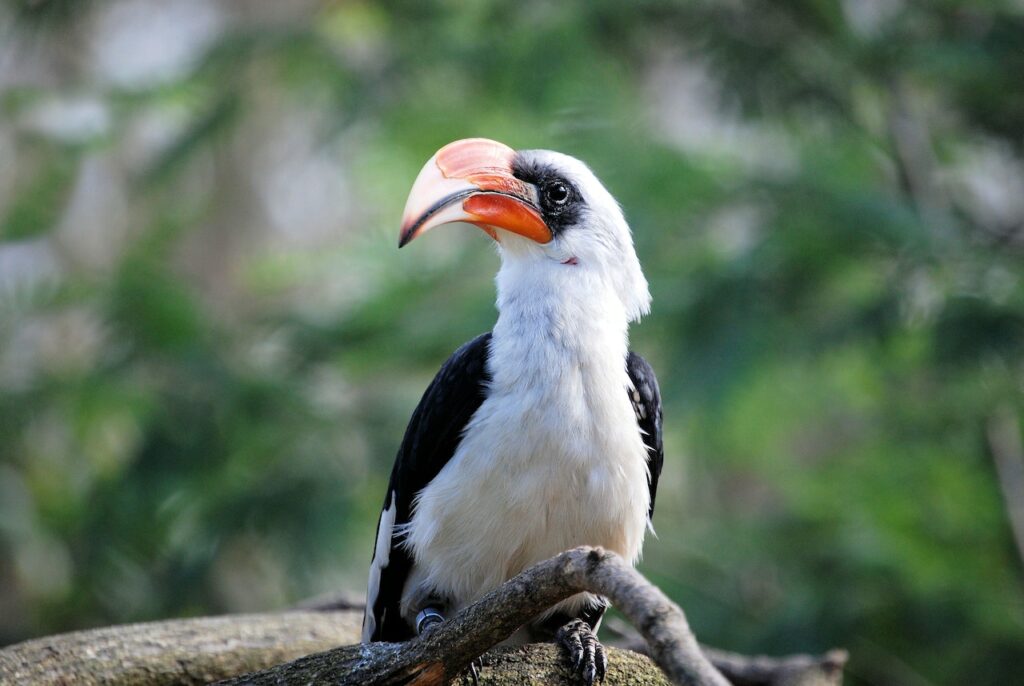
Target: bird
point(539, 436)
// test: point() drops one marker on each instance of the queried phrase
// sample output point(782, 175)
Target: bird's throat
point(553, 318)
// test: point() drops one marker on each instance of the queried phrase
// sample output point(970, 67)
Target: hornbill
point(542, 435)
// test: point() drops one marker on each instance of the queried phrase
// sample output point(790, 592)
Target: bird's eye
point(556, 193)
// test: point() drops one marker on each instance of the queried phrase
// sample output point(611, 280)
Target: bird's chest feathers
point(553, 459)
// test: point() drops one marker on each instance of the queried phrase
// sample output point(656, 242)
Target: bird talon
point(474, 670)
point(586, 654)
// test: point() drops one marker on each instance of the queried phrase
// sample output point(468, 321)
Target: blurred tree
point(209, 346)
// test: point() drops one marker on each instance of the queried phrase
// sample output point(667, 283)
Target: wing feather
point(646, 398)
point(433, 434)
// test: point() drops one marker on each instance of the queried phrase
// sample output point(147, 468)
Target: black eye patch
point(561, 203)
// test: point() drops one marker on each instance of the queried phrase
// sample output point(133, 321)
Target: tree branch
point(447, 650)
point(183, 651)
point(746, 670)
point(793, 670)
point(198, 651)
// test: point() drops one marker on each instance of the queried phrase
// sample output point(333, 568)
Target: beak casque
point(472, 181)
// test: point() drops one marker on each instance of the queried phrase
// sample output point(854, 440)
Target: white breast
point(553, 459)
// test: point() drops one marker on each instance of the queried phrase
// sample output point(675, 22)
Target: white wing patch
point(381, 557)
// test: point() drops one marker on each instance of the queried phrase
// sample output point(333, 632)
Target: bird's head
point(548, 213)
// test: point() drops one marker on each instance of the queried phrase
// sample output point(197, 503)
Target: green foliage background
point(209, 344)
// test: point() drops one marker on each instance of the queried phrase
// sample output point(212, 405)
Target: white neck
point(555, 317)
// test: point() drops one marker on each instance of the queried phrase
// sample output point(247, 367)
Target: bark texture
point(279, 648)
point(185, 651)
point(448, 649)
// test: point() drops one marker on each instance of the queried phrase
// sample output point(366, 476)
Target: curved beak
point(472, 181)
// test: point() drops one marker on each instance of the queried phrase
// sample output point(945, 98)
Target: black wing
point(434, 432)
point(646, 399)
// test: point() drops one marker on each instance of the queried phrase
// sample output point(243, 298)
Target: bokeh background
point(209, 344)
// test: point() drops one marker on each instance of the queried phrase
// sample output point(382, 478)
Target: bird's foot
point(427, 618)
point(585, 652)
point(474, 670)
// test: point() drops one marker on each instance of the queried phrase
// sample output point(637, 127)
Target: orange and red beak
point(472, 181)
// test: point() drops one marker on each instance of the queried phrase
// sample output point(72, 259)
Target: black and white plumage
point(542, 435)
